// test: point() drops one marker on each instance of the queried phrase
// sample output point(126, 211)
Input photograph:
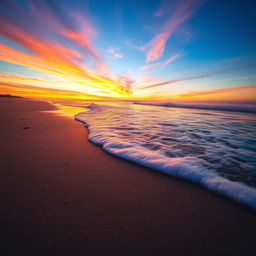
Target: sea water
point(215, 149)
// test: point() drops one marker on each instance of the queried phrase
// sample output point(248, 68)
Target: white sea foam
point(210, 151)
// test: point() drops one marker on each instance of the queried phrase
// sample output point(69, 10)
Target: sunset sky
point(128, 50)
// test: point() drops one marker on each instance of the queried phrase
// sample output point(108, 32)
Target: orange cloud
point(73, 62)
point(60, 47)
point(29, 91)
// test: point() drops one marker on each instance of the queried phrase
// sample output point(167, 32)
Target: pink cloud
point(156, 46)
point(160, 64)
point(82, 35)
point(114, 54)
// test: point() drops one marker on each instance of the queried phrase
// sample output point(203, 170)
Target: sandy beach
point(62, 195)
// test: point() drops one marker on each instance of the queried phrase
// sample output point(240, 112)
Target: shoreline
point(238, 192)
point(62, 195)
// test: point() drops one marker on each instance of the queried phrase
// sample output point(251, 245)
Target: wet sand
point(62, 195)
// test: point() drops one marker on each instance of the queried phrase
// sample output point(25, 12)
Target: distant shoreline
point(242, 108)
point(10, 96)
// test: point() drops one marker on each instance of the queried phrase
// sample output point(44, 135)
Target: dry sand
point(61, 195)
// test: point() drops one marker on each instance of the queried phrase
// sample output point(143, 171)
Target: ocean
point(216, 149)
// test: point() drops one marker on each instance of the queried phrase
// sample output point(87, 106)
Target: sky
point(166, 50)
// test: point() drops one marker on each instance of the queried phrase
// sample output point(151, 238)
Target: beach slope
point(61, 195)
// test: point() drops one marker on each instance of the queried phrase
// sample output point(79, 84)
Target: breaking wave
point(214, 149)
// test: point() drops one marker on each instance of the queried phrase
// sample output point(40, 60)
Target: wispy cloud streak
point(156, 46)
point(218, 91)
point(160, 64)
point(189, 78)
point(114, 53)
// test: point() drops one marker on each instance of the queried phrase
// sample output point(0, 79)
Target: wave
point(242, 107)
point(187, 167)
